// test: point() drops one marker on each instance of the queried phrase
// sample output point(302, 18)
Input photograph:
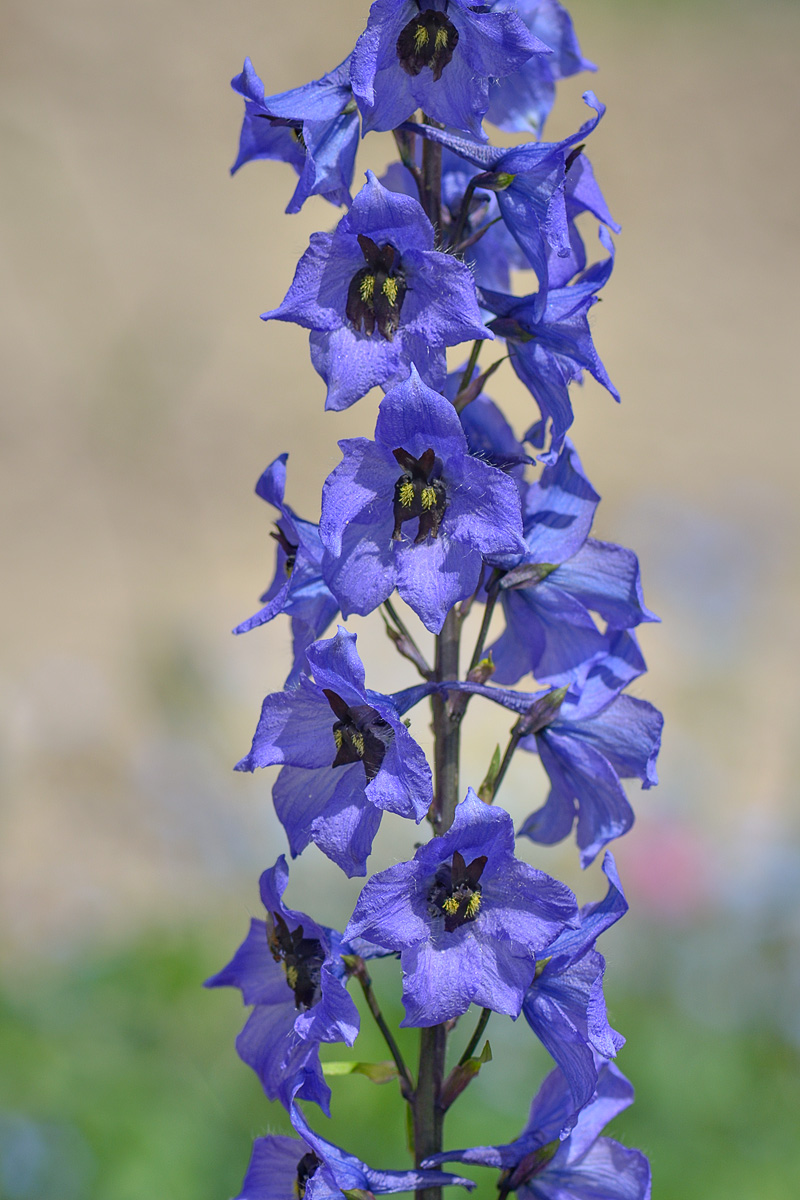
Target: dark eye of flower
point(295, 128)
point(428, 40)
point(376, 292)
point(305, 1169)
point(360, 734)
point(419, 493)
point(288, 548)
point(456, 892)
point(301, 958)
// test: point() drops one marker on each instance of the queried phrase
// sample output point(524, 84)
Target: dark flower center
point(360, 734)
point(419, 492)
point(305, 1169)
point(301, 958)
point(288, 548)
point(376, 292)
point(294, 127)
point(428, 40)
point(456, 892)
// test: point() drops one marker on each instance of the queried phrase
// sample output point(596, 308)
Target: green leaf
point(462, 1076)
point(380, 1072)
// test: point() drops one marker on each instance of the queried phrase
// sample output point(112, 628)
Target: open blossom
point(468, 918)
point(438, 55)
point(290, 969)
point(377, 297)
point(297, 588)
point(544, 1164)
point(348, 757)
point(413, 510)
point(313, 127)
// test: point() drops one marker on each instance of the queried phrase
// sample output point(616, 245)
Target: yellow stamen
point(473, 905)
point(406, 494)
point(421, 38)
point(358, 742)
point(450, 906)
point(389, 290)
point(366, 289)
point(441, 40)
point(428, 497)
point(291, 976)
point(337, 737)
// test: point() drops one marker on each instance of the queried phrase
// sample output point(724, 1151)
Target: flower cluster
point(447, 507)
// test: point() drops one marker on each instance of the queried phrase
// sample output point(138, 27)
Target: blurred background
point(142, 399)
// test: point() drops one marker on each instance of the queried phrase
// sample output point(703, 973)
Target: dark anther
point(419, 492)
point(295, 127)
point(301, 957)
point(376, 292)
point(428, 40)
point(360, 734)
point(456, 892)
point(305, 1169)
point(288, 548)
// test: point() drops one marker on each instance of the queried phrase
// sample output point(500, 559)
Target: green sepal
point(486, 790)
point(379, 1072)
point(358, 1194)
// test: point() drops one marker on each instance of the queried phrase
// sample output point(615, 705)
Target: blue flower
point(589, 742)
point(564, 575)
point(522, 101)
point(314, 128)
point(311, 1168)
point(377, 297)
point(348, 756)
point(297, 588)
point(530, 183)
point(468, 919)
point(538, 1165)
point(290, 969)
point(414, 510)
point(438, 55)
point(565, 1006)
point(551, 347)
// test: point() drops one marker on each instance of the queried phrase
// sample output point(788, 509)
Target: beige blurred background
point(142, 397)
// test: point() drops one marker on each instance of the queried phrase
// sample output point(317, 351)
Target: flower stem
point(517, 733)
point(472, 1045)
point(362, 975)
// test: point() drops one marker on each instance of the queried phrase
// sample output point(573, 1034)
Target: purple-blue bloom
point(565, 1006)
point(437, 55)
point(414, 510)
point(347, 756)
point(290, 969)
point(552, 346)
point(297, 588)
point(587, 743)
point(530, 182)
point(543, 1164)
point(377, 297)
point(468, 919)
point(313, 127)
point(563, 575)
point(521, 102)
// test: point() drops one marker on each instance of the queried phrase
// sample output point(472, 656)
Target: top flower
point(438, 56)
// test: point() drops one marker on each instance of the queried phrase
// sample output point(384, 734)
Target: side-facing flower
point(290, 969)
point(314, 128)
point(414, 510)
point(565, 1006)
point(521, 102)
point(587, 743)
point(543, 1164)
point(551, 346)
point(438, 55)
point(377, 297)
point(468, 919)
point(297, 588)
point(347, 756)
point(563, 577)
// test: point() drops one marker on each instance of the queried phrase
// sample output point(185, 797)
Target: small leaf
point(358, 1194)
point(462, 1076)
point(380, 1072)
point(486, 790)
